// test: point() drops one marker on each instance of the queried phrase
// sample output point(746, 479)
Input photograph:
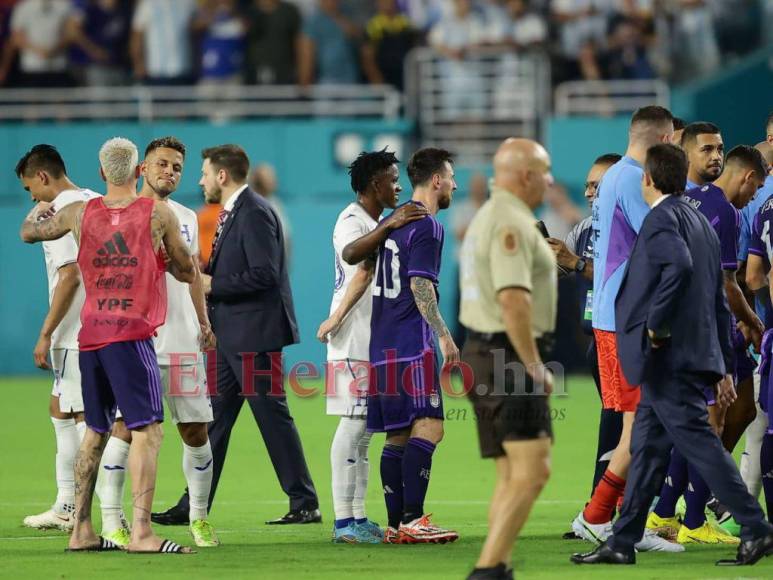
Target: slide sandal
point(166, 547)
point(103, 546)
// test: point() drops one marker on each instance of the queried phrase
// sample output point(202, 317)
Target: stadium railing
point(212, 102)
point(609, 98)
point(470, 105)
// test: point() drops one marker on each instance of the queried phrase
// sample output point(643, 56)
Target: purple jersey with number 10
point(396, 324)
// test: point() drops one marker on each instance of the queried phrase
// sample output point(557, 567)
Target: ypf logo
point(115, 253)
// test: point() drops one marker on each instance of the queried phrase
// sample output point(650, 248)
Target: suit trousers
point(672, 412)
point(268, 404)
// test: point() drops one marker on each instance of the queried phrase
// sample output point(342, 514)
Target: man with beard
point(720, 203)
point(704, 147)
point(252, 314)
point(181, 339)
point(375, 181)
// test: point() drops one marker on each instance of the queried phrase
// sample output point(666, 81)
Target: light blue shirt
point(618, 212)
point(747, 217)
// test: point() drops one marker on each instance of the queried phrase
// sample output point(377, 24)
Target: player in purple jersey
point(704, 147)
point(406, 402)
point(758, 268)
point(719, 203)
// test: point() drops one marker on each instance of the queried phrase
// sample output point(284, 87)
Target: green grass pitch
point(249, 495)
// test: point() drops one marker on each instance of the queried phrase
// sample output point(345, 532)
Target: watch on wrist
point(580, 265)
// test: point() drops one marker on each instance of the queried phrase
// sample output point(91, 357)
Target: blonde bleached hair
point(118, 158)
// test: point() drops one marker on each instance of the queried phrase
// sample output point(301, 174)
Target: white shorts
point(185, 391)
point(346, 388)
point(67, 380)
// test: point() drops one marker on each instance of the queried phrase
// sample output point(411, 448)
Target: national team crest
point(434, 400)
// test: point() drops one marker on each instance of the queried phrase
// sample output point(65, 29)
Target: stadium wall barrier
point(314, 188)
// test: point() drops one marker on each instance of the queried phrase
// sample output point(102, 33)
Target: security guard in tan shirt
point(509, 294)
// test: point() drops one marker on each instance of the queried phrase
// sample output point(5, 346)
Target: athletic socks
point(695, 497)
point(674, 486)
point(341, 524)
point(750, 459)
point(602, 503)
point(110, 482)
point(610, 428)
point(67, 445)
point(343, 462)
point(392, 482)
point(417, 465)
point(766, 466)
point(197, 468)
point(362, 472)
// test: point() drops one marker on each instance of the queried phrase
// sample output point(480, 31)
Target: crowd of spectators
point(171, 42)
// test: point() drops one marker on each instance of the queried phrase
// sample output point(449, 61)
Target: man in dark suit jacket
point(673, 333)
point(251, 309)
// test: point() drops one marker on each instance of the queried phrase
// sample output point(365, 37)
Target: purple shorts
point(123, 375)
point(744, 365)
point(404, 392)
point(766, 399)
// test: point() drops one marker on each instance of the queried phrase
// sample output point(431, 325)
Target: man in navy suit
point(674, 339)
point(252, 314)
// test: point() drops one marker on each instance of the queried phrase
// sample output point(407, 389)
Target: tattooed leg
point(143, 464)
point(86, 470)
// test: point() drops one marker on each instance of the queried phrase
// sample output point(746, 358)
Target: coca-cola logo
point(117, 282)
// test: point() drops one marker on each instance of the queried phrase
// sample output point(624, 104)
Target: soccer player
point(705, 150)
point(406, 402)
point(758, 267)
point(617, 216)
point(576, 256)
point(43, 174)
point(719, 202)
point(181, 339)
point(375, 181)
point(123, 241)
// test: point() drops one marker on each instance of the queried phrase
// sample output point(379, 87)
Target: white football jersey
point(59, 253)
point(180, 332)
point(353, 339)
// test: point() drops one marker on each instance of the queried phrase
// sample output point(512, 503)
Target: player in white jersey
point(42, 173)
point(375, 181)
point(181, 340)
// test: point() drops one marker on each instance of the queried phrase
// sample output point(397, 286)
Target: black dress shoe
point(298, 517)
point(174, 516)
point(751, 551)
point(603, 555)
point(499, 572)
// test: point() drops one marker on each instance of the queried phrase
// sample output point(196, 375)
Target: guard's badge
point(434, 400)
point(509, 240)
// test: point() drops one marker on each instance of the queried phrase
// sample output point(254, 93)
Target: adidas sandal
point(166, 547)
point(103, 546)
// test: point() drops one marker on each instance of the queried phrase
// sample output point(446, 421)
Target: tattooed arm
point(165, 229)
point(67, 219)
point(426, 301)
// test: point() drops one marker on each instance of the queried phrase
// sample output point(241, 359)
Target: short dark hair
point(425, 163)
point(168, 142)
point(679, 123)
point(749, 158)
point(654, 114)
point(230, 157)
point(666, 164)
point(41, 157)
point(368, 165)
point(691, 131)
point(608, 159)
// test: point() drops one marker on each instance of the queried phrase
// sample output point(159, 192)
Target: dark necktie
point(221, 218)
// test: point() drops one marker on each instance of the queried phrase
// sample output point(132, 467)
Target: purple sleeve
point(756, 243)
point(728, 238)
point(425, 245)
